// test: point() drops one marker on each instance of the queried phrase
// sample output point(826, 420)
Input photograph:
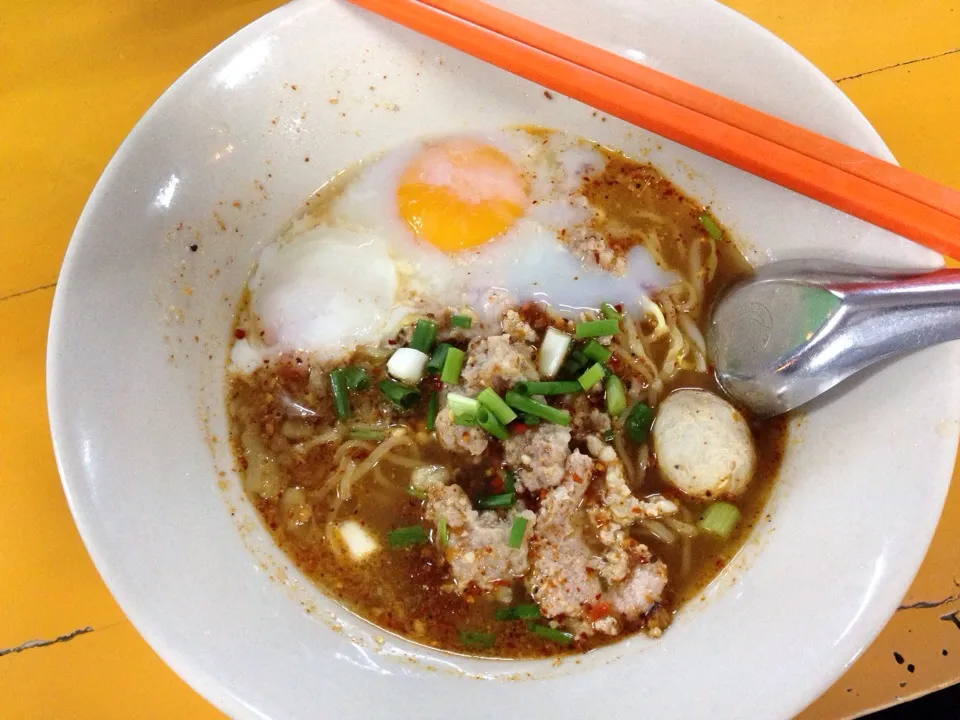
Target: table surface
point(75, 75)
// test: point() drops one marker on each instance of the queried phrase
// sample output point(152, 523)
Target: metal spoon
point(795, 329)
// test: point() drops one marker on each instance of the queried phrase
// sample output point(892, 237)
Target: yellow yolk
point(459, 193)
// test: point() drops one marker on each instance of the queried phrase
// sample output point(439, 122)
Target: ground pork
point(477, 548)
point(459, 438)
point(498, 362)
point(570, 581)
point(560, 579)
point(586, 419)
point(592, 246)
point(637, 595)
point(619, 504)
point(539, 456)
point(518, 330)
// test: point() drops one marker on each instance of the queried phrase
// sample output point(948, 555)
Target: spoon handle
point(897, 315)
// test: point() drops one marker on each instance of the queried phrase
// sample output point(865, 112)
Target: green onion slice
point(488, 421)
point(442, 532)
point(609, 312)
point(597, 328)
point(461, 321)
point(614, 395)
point(710, 225)
point(591, 376)
point(476, 639)
point(638, 422)
point(341, 398)
point(435, 363)
point(510, 481)
point(608, 435)
point(452, 365)
point(720, 519)
point(402, 396)
point(432, 403)
point(417, 493)
point(494, 403)
point(552, 387)
point(405, 536)
point(356, 377)
point(530, 420)
point(596, 352)
point(527, 611)
point(496, 501)
point(539, 409)
point(424, 335)
point(552, 634)
point(464, 408)
point(517, 532)
point(365, 433)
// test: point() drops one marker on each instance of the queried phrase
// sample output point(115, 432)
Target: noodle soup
point(470, 398)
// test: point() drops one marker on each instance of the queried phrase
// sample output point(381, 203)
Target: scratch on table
point(21, 293)
point(952, 617)
point(33, 644)
point(899, 64)
point(926, 604)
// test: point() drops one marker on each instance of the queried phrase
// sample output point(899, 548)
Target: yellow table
point(75, 75)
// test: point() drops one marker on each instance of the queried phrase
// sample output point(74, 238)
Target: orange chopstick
point(851, 181)
point(828, 151)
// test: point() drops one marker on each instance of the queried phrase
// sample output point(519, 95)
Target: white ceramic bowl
point(140, 329)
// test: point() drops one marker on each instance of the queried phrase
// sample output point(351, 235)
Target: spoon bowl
point(796, 329)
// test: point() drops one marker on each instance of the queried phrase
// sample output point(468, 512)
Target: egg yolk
point(460, 193)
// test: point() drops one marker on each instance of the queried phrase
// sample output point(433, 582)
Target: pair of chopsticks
point(811, 164)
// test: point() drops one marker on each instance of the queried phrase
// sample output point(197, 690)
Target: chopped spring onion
point(614, 395)
point(596, 352)
point(531, 420)
point(489, 502)
point(435, 364)
point(356, 377)
point(574, 364)
point(597, 328)
point(407, 365)
point(591, 376)
point(517, 532)
point(552, 634)
point(609, 312)
point(452, 365)
point(341, 399)
point(488, 421)
point(539, 409)
point(638, 422)
point(720, 518)
point(608, 435)
point(432, 403)
point(518, 612)
point(494, 403)
point(442, 532)
point(710, 225)
point(402, 537)
point(464, 409)
point(424, 335)
point(552, 387)
point(400, 395)
point(553, 351)
point(461, 321)
point(476, 639)
point(510, 480)
point(416, 492)
point(365, 433)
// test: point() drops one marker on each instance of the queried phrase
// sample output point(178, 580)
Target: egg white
point(358, 276)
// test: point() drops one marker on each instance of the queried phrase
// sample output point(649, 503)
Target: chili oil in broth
point(281, 414)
